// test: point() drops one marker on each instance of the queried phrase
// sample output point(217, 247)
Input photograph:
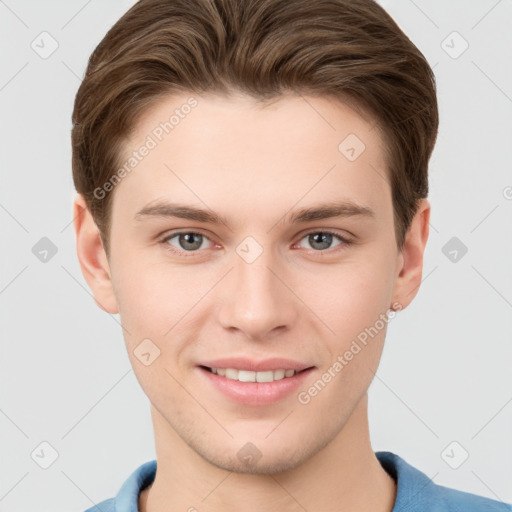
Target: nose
point(256, 298)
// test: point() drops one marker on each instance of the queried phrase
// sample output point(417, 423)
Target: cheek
point(137, 288)
point(156, 299)
point(353, 296)
point(140, 285)
point(354, 306)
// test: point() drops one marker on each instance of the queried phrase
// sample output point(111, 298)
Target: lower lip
point(256, 393)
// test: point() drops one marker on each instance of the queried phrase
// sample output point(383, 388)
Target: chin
point(260, 457)
point(270, 466)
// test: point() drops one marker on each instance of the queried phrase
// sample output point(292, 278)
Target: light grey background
point(445, 374)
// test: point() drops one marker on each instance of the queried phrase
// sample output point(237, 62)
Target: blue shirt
point(415, 491)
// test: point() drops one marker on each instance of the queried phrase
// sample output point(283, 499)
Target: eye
point(188, 241)
point(322, 240)
point(192, 242)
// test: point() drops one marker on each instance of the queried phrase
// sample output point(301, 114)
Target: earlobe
point(410, 268)
point(92, 258)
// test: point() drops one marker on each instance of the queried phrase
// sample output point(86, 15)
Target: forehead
point(292, 149)
point(290, 116)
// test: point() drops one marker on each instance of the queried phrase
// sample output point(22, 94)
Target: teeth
point(249, 376)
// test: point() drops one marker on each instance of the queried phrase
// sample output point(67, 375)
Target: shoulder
point(417, 492)
point(460, 500)
point(126, 499)
point(104, 506)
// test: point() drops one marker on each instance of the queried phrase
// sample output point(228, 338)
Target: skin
point(255, 165)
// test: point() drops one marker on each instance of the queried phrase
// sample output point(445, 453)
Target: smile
point(254, 388)
point(250, 376)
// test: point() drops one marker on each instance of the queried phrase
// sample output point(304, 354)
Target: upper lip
point(243, 363)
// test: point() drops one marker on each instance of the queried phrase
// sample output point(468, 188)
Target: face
point(293, 257)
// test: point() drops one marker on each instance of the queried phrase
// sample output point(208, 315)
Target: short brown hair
point(347, 49)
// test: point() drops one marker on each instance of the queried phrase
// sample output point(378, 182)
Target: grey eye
point(188, 241)
point(320, 240)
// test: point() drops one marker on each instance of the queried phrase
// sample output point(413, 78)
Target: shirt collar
point(411, 483)
point(127, 499)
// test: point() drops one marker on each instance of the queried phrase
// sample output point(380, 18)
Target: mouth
point(254, 388)
point(254, 376)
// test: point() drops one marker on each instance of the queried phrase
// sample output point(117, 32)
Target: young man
point(252, 179)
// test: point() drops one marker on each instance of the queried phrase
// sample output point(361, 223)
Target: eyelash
point(345, 242)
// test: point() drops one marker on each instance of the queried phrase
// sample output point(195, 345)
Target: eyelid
point(342, 234)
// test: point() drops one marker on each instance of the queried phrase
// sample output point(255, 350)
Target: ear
point(410, 261)
point(92, 257)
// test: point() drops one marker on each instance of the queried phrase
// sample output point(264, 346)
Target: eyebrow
point(319, 212)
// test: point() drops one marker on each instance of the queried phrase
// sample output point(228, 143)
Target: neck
point(344, 476)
